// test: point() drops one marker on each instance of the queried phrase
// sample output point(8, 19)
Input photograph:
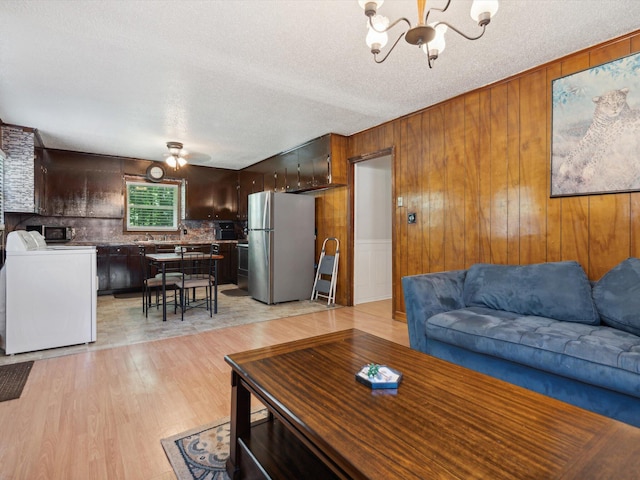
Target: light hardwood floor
point(101, 414)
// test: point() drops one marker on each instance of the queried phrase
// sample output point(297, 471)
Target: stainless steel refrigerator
point(281, 246)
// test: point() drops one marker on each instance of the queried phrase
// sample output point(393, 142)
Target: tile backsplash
point(110, 231)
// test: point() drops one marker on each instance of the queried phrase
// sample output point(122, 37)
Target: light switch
point(400, 201)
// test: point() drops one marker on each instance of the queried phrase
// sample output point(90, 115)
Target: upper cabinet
point(320, 163)
point(211, 193)
point(248, 182)
point(82, 185)
point(313, 165)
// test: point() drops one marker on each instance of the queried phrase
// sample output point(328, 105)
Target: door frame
point(352, 161)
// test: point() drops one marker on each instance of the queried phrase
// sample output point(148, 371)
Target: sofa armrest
point(428, 294)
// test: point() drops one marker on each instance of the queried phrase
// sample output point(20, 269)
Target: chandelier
point(176, 155)
point(427, 36)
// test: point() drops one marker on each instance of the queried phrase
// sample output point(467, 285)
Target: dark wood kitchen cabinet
point(280, 172)
point(248, 182)
point(119, 275)
point(118, 268)
point(199, 194)
point(316, 164)
point(211, 193)
point(228, 267)
point(225, 201)
point(82, 185)
point(102, 266)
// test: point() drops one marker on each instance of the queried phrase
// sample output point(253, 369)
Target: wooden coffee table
point(444, 421)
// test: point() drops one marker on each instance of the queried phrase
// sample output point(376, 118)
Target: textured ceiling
point(238, 81)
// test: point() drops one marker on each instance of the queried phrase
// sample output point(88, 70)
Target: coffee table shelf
point(270, 451)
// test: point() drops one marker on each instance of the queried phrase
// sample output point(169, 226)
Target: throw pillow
point(558, 290)
point(617, 296)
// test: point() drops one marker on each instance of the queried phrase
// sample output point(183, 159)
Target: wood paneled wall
point(332, 217)
point(476, 170)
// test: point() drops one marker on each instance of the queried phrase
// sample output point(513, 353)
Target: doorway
point(373, 245)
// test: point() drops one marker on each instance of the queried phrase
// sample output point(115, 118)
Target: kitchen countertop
point(154, 242)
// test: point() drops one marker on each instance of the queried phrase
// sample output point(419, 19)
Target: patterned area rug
point(201, 453)
point(13, 377)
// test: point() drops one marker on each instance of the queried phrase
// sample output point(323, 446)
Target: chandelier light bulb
point(181, 161)
point(171, 161)
point(370, 6)
point(375, 39)
point(437, 45)
point(482, 11)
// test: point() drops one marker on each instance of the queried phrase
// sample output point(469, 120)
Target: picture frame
point(595, 134)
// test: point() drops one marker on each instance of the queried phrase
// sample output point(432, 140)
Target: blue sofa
point(544, 327)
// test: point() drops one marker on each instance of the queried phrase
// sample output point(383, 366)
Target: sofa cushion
point(558, 290)
point(617, 296)
point(598, 355)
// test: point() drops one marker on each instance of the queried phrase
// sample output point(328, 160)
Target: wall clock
point(155, 173)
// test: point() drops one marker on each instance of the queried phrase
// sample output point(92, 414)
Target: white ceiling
point(240, 80)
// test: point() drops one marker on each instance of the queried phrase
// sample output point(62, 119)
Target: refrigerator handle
point(265, 212)
point(267, 246)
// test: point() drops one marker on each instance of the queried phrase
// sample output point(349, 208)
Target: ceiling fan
point(178, 157)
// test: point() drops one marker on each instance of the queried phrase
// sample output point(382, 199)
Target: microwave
point(53, 234)
point(225, 230)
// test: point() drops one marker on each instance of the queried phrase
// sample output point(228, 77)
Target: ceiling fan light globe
point(182, 161)
point(171, 161)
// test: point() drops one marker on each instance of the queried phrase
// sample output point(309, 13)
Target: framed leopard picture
point(595, 143)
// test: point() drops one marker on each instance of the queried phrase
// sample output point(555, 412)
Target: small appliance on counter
point(51, 234)
point(225, 230)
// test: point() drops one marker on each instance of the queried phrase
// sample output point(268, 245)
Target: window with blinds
point(152, 206)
